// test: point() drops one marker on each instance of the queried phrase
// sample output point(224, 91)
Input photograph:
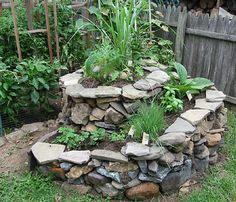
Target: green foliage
point(186, 85)
point(118, 136)
point(72, 140)
point(149, 119)
point(117, 24)
point(97, 136)
point(71, 44)
point(30, 84)
point(38, 80)
point(36, 188)
point(124, 32)
point(103, 63)
point(169, 100)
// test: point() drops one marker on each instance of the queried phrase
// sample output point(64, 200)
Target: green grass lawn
point(219, 186)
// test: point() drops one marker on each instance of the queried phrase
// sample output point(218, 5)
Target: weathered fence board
point(209, 45)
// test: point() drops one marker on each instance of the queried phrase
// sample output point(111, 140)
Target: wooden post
point(16, 30)
point(29, 12)
point(48, 30)
point(180, 35)
point(0, 8)
point(55, 29)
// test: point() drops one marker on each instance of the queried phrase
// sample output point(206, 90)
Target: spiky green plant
point(148, 119)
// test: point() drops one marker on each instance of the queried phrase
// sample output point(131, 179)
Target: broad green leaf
point(34, 96)
point(35, 83)
point(182, 72)
point(201, 83)
point(5, 86)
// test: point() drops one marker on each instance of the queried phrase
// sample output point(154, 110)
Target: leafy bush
point(149, 119)
point(124, 31)
point(186, 85)
point(103, 64)
point(30, 84)
point(169, 100)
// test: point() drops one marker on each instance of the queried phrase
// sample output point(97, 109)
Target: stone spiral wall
point(137, 171)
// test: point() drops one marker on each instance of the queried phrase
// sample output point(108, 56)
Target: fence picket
point(209, 46)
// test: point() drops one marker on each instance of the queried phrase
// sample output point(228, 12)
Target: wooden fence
point(205, 45)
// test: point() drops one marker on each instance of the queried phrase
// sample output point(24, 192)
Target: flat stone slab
point(214, 95)
point(120, 108)
point(108, 155)
point(132, 93)
point(74, 90)
point(203, 104)
point(181, 125)
point(105, 125)
point(76, 157)
point(108, 91)
point(78, 91)
point(150, 68)
point(194, 116)
point(132, 107)
point(146, 84)
point(46, 153)
point(173, 139)
point(70, 79)
point(137, 149)
point(155, 153)
point(159, 76)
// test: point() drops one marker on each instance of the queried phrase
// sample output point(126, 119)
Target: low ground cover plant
point(73, 140)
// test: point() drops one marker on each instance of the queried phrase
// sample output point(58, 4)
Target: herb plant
point(186, 85)
point(148, 119)
point(70, 138)
point(103, 63)
point(169, 100)
point(118, 136)
point(97, 136)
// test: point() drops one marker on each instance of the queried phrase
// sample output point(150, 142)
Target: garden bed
point(130, 168)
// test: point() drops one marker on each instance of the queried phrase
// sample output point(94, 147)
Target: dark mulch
point(90, 83)
point(93, 83)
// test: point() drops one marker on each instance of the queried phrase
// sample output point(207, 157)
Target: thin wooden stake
point(16, 30)
point(55, 29)
point(48, 30)
point(0, 8)
point(29, 9)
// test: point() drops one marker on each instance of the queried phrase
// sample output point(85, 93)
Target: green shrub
point(149, 119)
point(185, 85)
point(104, 63)
point(169, 100)
point(30, 84)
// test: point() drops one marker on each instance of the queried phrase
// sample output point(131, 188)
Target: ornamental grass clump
point(148, 119)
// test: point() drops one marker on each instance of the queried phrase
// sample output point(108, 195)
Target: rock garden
point(132, 124)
